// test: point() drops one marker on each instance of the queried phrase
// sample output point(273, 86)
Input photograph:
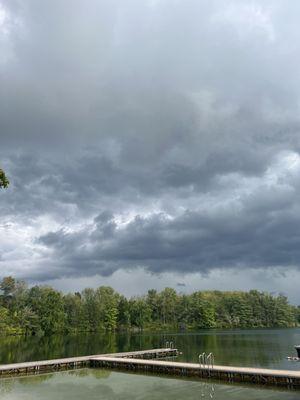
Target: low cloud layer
point(159, 135)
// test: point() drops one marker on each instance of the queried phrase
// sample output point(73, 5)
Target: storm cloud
point(161, 135)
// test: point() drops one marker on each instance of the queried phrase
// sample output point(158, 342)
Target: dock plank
point(221, 368)
point(261, 376)
point(80, 359)
point(150, 361)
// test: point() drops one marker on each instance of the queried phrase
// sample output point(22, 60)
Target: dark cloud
point(240, 236)
point(148, 134)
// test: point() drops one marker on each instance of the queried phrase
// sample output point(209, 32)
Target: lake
point(262, 348)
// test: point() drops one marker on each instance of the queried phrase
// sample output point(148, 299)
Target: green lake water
point(260, 348)
point(106, 385)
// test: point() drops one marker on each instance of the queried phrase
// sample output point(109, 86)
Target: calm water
point(265, 348)
point(106, 385)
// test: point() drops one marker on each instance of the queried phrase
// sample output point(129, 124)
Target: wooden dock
point(149, 361)
point(79, 362)
point(285, 378)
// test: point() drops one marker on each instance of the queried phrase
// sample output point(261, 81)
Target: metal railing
point(210, 360)
point(202, 359)
point(206, 361)
point(169, 345)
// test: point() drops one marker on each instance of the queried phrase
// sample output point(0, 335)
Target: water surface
point(257, 347)
point(105, 385)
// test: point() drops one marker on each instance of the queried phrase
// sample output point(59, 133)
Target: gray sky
point(151, 143)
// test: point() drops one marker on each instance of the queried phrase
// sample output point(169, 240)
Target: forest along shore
point(42, 309)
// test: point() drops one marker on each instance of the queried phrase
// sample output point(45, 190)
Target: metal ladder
point(207, 361)
point(169, 345)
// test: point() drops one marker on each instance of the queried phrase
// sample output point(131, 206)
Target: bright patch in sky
point(247, 19)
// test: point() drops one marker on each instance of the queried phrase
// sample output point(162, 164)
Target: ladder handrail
point(202, 359)
point(169, 344)
point(210, 360)
point(207, 361)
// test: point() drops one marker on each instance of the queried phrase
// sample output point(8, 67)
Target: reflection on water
point(103, 384)
point(265, 348)
point(207, 390)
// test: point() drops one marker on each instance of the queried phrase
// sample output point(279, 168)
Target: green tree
point(4, 182)
point(168, 300)
point(7, 287)
point(90, 309)
point(297, 314)
point(124, 320)
point(153, 302)
point(285, 314)
point(107, 301)
point(5, 322)
point(140, 312)
point(47, 303)
point(101, 308)
point(202, 311)
point(28, 320)
point(43, 309)
point(183, 312)
point(74, 311)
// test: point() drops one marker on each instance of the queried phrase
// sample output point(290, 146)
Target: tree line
point(44, 310)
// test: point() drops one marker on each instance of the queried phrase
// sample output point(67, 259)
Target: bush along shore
point(44, 310)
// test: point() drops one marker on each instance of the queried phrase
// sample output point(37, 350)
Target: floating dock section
point(149, 361)
point(78, 362)
point(261, 376)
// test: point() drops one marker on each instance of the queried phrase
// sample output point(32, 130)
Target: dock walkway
point(232, 374)
point(79, 362)
point(149, 361)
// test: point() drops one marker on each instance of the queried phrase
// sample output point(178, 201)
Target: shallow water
point(106, 385)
